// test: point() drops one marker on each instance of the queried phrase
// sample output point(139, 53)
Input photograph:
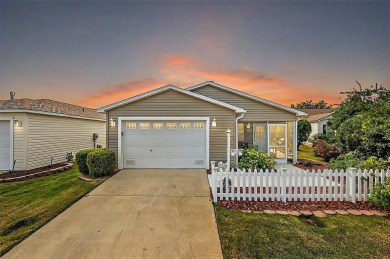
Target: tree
point(362, 122)
point(304, 130)
point(312, 105)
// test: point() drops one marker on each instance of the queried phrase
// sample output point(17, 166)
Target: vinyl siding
point(53, 136)
point(175, 104)
point(256, 111)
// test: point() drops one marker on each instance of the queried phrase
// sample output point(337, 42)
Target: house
point(318, 119)
point(36, 133)
point(171, 127)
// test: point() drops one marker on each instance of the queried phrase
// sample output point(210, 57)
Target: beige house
point(36, 133)
point(318, 119)
point(171, 127)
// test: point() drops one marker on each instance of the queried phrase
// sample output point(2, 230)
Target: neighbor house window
point(323, 129)
point(241, 131)
point(144, 125)
point(185, 125)
point(171, 125)
point(131, 125)
point(158, 125)
point(198, 125)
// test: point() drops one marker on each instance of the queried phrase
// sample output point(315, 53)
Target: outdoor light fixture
point(248, 126)
point(214, 123)
point(112, 123)
point(17, 123)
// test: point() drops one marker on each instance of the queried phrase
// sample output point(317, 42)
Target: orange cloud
point(184, 71)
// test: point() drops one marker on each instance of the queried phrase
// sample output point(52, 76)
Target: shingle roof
point(50, 106)
point(311, 112)
point(317, 117)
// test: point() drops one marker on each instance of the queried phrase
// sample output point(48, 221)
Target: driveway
point(148, 213)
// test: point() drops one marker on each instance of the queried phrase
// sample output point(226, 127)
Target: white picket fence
point(295, 185)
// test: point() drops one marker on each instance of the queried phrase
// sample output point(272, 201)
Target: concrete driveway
point(149, 213)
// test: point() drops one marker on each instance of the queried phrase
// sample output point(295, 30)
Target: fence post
point(214, 183)
point(352, 183)
point(284, 175)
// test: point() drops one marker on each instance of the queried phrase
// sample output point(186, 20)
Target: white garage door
point(5, 145)
point(164, 144)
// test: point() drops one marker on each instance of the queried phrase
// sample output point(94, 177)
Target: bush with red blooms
point(325, 150)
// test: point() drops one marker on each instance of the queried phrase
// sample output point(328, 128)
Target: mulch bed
point(317, 165)
point(296, 205)
point(31, 171)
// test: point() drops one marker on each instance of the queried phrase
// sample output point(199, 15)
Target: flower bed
point(33, 173)
point(316, 165)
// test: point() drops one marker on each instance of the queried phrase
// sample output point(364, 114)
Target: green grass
point(28, 205)
point(251, 235)
point(306, 151)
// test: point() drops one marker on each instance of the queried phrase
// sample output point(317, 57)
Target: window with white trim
point(198, 125)
point(131, 125)
point(186, 125)
point(144, 125)
point(171, 125)
point(158, 125)
point(241, 131)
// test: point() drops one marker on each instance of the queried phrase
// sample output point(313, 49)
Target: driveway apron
point(138, 213)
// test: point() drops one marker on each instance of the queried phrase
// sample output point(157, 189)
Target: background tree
point(362, 122)
point(312, 105)
point(304, 130)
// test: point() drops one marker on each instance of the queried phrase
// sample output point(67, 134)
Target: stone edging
point(35, 175)
point(322, 213)
point(88, 179)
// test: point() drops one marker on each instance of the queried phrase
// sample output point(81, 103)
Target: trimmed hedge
point(101, 162)
point(255, 159)
point(81, 159)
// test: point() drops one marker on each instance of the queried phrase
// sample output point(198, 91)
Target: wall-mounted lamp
point(112, 123)
point(214, 123)
point(248, 125)
point(17, 123)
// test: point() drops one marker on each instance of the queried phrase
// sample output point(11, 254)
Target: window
point(240, 131)
point(171, 125)
point(158, 125)
point(260, 132)
point(144, 125)
point(323, 129)
point(185, 125)
point(198, 125)
point(131, 125)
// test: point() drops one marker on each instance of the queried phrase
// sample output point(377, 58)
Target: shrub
point(374, 163)
point(308, 163)
point(320, 136)
point(101, 162)
point(381, 195)
point(345, 161)
point(304, 130)
point(255, 159)
point(81, 159)
point(325, 150)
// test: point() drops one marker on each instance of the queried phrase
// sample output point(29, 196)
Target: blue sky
point(94, 53)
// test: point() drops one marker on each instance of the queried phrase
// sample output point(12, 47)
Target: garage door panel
point(163, 147)
point(5, 145)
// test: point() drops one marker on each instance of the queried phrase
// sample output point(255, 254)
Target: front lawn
point(251, 235)
point(306, 151)
point(26, 206)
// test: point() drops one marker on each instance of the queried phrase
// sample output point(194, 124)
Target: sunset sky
point(97, 52)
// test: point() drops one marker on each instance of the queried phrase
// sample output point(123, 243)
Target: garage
point(178, 143)
point(5, 145)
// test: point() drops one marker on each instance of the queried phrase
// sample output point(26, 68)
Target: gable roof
point(319, 117)
point(164, 89)
point(252, 97)
point(50, 107)
point(311, 112)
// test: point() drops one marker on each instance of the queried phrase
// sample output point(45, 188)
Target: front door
point(260, 136)
point(277, 142)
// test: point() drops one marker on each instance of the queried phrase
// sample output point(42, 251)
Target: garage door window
point(131, 125)
point(185, 125)
point(198, 125)
point(144, 125)
point(171, 125)
point(158, 125)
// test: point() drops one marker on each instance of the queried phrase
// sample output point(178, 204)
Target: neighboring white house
point(319, 122)
point(35, 133)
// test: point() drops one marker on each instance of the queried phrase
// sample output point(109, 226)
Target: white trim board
point(48, 113)
point(11, 149)
point(255, 98)
point(156, 118)
point(164, 89)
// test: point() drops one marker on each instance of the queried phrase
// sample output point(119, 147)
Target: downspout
point(237, 118)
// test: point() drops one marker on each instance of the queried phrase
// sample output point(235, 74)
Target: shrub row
point(96, 162)
point(255, 159)
point(351, 159)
